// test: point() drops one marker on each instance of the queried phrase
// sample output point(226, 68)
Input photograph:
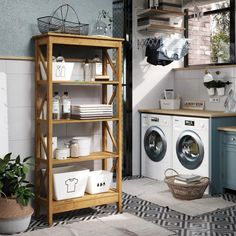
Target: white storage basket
point(170, 103)
point(69, 182)
point(60, 71)
point(98, 181)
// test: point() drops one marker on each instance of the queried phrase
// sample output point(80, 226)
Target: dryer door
point(190, 150)
point(155, 143)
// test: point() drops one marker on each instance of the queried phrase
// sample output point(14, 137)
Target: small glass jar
point(74, 148)
point(61, 153)
point(67, 145)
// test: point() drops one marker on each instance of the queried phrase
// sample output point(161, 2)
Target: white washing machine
point(156, 145)
point(191, 142)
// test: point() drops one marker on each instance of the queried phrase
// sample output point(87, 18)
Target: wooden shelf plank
point(155, 27)
point(88, 200)
point(160, 13)
point(72, 121)
point(93, 156)
point(77, 83)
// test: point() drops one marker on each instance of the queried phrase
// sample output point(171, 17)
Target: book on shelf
point(188, 178)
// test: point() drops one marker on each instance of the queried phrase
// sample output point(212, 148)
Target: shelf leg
point(50, 219)
point(119, 206)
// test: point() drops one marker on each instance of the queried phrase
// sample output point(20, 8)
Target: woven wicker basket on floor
point(186, 191)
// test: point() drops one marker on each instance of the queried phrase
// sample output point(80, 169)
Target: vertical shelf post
point(104, 101)
point(119, 125)
point(37, 128)
point(50, 130)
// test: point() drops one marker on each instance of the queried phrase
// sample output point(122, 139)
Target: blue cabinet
point(228, 160)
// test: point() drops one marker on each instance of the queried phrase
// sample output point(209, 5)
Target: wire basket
point(62, 25)
point(189, 191)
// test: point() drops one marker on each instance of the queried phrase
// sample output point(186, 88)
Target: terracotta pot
point(14, 218)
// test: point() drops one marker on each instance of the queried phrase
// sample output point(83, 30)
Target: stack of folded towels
point(92, 111)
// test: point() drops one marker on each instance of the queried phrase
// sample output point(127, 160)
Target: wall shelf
point(159, 13)
point(162, 28)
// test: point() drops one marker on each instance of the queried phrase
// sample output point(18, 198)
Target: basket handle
point(62, 15)
point(170, 169)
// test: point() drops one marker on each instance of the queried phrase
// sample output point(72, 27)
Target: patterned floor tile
point(218, 223)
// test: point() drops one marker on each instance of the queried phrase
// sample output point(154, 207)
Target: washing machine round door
point(155, 143)
point(190, 150)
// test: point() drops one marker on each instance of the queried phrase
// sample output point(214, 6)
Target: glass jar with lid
point(74, 148)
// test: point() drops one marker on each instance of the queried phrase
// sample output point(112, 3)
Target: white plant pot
point(220, 91)
point(211, 91)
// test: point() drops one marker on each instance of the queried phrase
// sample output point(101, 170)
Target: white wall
point(20, 96)
point(148, 84)
point(4, 146)
point(189, 85)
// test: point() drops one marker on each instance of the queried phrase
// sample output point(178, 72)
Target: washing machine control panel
point(191, 123)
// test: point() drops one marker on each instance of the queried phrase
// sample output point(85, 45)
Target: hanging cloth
point(154, 56)
point(174, 48)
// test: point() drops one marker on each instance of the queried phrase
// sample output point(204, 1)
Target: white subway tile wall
point(20, 95)
point(4, 147)
point(193, 80)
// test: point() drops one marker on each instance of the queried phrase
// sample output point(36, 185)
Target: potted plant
point(15, 194)
point(220, 87)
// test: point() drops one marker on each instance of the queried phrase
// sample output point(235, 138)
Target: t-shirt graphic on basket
point(71, 185)
point(60, 71)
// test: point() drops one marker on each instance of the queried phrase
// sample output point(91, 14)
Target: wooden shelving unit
point(104, 44)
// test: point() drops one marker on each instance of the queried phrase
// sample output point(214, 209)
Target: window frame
point(232, 12)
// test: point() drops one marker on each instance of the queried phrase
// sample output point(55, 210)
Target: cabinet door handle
point(233, 139)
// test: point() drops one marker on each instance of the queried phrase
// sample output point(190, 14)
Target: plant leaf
point(27, 158)
point(7, 158)
point(18, 159)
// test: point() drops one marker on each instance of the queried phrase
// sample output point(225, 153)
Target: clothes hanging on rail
point(174, 48)
point(163, 51)
point(154, 56)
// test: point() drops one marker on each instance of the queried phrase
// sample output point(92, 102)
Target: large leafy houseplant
point(13, 183)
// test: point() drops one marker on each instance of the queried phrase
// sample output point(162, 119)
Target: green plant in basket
point(13, 183)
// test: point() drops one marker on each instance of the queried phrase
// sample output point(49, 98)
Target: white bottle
point(86, 70)
point(56, 106)
point(66, 106)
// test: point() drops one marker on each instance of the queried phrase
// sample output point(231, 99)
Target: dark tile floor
point(220, 222)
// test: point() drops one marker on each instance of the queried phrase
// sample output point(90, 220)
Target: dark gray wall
point(18, 21)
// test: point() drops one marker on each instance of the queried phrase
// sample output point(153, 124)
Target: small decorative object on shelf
point(60, 22)
point(102, 28)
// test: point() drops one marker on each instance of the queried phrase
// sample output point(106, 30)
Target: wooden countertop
point(227, 128)
point(194, 113)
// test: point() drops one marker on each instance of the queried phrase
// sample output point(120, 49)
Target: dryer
point(156, 145)
point(191, 145)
